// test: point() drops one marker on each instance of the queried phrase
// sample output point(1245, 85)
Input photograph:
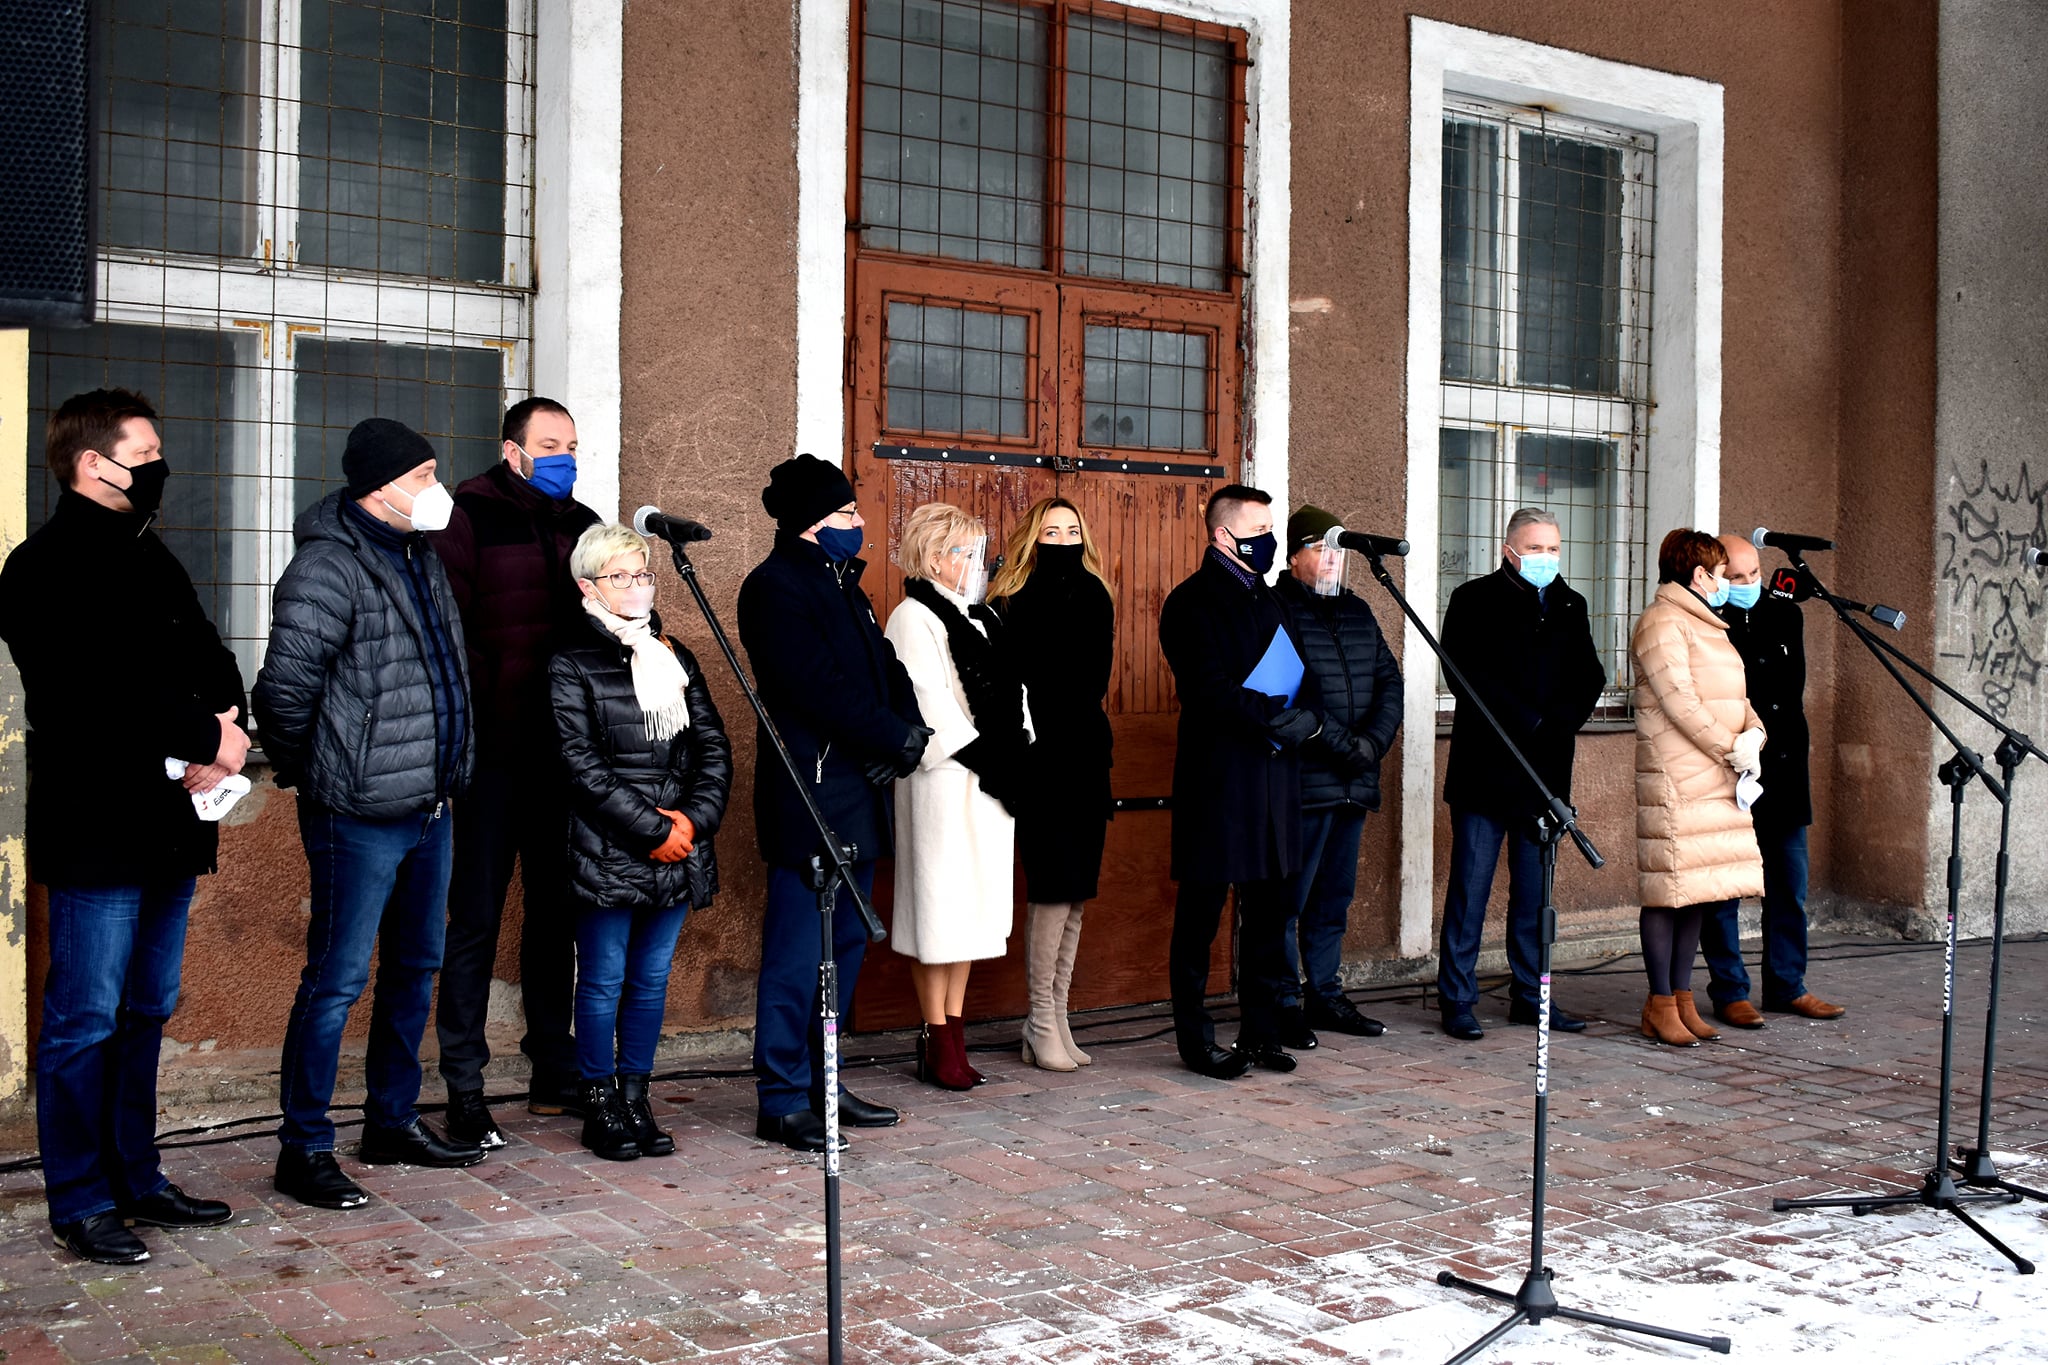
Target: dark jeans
point(1476, 839)
point(1322, 896)
point(115, 952)
point(622, 989)
point(788, 1041)
point(1261, 963)
point(372, 880)
point(1784, 947)
point(509, 811)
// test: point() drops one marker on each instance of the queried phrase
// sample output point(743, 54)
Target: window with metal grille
point(312, 212)
point(1546, 351)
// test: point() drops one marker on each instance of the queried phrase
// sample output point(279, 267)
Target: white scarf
point(659, 678)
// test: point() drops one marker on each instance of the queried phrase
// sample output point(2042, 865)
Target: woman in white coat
point(955, 838)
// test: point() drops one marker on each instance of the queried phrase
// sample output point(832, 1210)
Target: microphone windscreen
point(641, 519)
point(1756, 537)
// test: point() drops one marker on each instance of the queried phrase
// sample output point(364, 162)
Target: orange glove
point(681, 841)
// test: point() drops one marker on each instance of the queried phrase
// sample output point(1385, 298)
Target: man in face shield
point(1356, 682)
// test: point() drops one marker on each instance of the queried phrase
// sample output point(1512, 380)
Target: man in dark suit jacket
point(1236, 781)
point(1524, 642)
point(1770, 634)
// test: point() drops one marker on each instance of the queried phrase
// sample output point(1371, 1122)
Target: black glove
point(999, 766)
point(1358, 758)
point(903, 762)
point(1294, 727)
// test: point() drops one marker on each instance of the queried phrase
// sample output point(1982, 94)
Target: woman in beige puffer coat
point(1696, 735)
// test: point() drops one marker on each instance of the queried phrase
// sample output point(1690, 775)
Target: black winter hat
point(803, 491)
point(380, 450)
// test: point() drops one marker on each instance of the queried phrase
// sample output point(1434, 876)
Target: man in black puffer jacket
point(1357, 683)
point(844, 706)
point(507, 550)
point(363, 705)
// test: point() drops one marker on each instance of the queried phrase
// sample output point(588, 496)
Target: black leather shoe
point(1459, 1022)
point(470, 1123)
point(316, 1178)
point(551, 1095)
point(102, 1238)
point(1267, 1056)
point(1341, 1016)
point(1294, 1030)
point(1560, 1022)
point(855, 1112)
point(802, 1131)
point(171, 1207)
point(1220, 1064)
point(415, 1145)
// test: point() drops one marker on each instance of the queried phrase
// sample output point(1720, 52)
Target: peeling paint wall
point(14, 447)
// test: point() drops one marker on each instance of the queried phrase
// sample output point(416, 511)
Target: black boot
point(606, 1129)
point(640, 1114)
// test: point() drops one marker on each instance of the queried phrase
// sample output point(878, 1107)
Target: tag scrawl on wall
point(1996, 604)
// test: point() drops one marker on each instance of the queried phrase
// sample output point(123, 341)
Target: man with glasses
point(507, 552)
point(844, 706)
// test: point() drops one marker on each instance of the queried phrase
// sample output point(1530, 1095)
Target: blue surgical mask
point(1540, 570)
point(1744, 595)
point(841, 543)
point(1719, 596)
point(1258, 551)
point(554, 475)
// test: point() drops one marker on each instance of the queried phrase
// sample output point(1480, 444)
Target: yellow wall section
point(14, 448)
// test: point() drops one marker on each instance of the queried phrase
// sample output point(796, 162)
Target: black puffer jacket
point(1357, 689)
point(620, 780)
point(345, 699)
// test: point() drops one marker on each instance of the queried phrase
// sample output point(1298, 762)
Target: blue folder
point(1279, 671)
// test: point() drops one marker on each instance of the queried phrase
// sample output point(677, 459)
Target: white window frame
point(1683, 486)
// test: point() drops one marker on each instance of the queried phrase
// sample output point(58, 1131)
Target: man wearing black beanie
point(844, 707)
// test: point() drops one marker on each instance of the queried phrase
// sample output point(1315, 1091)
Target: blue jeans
point(788, 1042)
point(1476, 839)
point(623, 959)
point(372, 880)
point(115, 952)
point(1784, 948)
point(1323, 891)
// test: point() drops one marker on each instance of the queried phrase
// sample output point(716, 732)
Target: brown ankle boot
point(1690, 1017)
point(1660, 1021)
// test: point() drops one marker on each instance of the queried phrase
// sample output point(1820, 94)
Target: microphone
point(1791, 585)
point(652, 521)
point(1337, 538)
point(2034, 557)
point(1790, 543)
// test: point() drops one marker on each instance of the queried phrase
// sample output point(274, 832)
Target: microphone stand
point(1975, 1163)
point(1938, 1189)
point(1535, 1300)
point(830, 870)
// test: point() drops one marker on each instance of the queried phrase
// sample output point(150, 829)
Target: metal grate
point(1547, 260)
point(954, 370)
point(1147, 388)
point(45, 216)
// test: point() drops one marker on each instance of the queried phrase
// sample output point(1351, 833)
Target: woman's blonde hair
point(930, 529)
point(600, 545)
point(1020, 557)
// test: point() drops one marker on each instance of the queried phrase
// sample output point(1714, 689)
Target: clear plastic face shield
point(964, 569)
point(1328, 562)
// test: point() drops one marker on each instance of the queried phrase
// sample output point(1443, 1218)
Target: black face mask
point(145, 490)
point(1060, 561)
point(1258, 552)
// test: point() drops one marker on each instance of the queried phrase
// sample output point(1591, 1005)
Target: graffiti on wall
point(1996, 604)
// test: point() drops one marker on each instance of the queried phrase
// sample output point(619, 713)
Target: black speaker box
point(46, 208)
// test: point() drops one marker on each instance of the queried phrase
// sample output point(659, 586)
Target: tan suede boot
point(1063, 978)
point(1041, 1044)
point(1689, 1016)
point(1660, 1021)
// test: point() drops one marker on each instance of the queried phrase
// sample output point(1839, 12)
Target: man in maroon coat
point(507, 554)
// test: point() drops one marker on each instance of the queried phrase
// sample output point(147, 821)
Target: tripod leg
point(1450, 1281)
point(2022, 1191)
point(2020, 1263)
point(1514, 1321)
point(1860, 1203)
point(1719, 1344)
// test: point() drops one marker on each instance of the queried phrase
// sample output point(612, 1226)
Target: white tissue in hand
point(216, 801)
point(1747, 790)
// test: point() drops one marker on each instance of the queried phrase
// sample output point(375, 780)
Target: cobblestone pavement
point(1133, 1212)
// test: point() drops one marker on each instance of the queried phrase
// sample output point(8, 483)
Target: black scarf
point(988, 675)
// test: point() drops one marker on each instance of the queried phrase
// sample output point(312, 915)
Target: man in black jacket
point(119, 893)
point(844, 706)
point(1236, 780)
point(1356, 684)
point(1524, 641)
point(363, 705)
point(506, 551)
point(1770, 634)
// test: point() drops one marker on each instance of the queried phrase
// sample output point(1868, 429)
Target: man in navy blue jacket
point(844, 706)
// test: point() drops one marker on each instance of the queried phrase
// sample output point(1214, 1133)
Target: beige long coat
point(1693, 843)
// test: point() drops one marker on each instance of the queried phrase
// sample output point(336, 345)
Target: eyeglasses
point(622, 581)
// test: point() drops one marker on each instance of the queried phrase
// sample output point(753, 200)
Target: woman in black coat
point(649, 769)
point(1056, 602)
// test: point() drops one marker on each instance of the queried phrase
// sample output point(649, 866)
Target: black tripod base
point(1535, 1301)
point(1979, 1173)
point(1939, 1192)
